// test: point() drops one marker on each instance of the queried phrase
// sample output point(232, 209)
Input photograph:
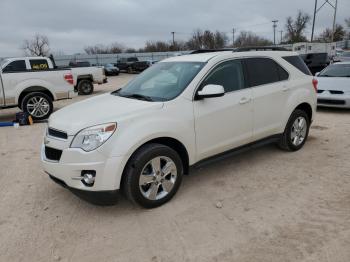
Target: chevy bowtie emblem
point(46, 141)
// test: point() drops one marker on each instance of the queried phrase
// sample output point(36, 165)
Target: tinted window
point(39, 64)
point(228, 74)
point(261, 71)
point(16, 66)
point(283, 74)
point(297, 62)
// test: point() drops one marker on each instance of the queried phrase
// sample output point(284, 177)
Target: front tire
point(296, 131)
point(85, 87)
point(38, 105)
point(153, 175)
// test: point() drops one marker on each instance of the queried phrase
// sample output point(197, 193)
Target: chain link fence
point(102, 59)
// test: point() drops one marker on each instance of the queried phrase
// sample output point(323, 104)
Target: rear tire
point(85, 87)
point(146, 181)
point(296, 131)
point(38, 105)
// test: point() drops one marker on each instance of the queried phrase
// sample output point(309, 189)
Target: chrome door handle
point(244, 100)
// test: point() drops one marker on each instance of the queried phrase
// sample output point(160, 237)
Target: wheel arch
point(306, 107)
point(33, 89)
point(173, 144)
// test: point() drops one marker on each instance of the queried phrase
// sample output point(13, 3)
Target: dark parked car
point(316, 62)
point(79, 64)
point(132, 64)
point(111, 70)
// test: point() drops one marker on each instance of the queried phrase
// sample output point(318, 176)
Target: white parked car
point(23, 83)
point(334, 86)
point(178, 113)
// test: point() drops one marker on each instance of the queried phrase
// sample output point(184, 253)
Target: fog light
point(88, 177)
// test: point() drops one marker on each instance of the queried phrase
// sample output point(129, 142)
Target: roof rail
point(259, 48)
point(201, 51)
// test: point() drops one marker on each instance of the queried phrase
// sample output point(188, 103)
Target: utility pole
point(233, 37)
point(334, 19)
point(173, 33)
point(313, 22)
point(334, 6)
point(274, 31)
point(281, 31)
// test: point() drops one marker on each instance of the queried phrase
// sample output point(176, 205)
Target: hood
point(98, 110)
point(334, 83)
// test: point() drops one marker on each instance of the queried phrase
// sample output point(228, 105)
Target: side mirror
point(317, 74)
point(210, 91)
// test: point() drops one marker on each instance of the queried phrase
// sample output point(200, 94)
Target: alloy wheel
point(158, 178)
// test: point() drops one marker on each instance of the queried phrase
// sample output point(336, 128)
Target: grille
point(320, 91)
point(53, 154)
point(331, 102)
point(336, 92)
point(56, 133)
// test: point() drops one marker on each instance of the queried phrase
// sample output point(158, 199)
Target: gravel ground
point(261, 205)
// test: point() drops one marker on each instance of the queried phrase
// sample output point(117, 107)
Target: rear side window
point(39, 64)
point(16, 66)
point(262, 71)
point(297, 62)
point(228, 74)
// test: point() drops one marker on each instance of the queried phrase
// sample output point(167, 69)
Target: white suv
point(178, 113)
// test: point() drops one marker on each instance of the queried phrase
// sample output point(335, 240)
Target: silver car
point(342, 57)
point(334, 85)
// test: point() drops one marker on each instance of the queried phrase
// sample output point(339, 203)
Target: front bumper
point(326, 99)
point(73, 161)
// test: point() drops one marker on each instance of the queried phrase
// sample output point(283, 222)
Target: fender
point(22, 86)
point(299, 96)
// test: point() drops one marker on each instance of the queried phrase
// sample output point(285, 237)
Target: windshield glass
point(346, 54)
point(161, 82)
point(336, 70)
point(109, 65)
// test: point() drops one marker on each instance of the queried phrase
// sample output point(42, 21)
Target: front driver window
point(228, 74)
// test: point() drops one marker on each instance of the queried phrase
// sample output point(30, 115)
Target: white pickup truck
point(84, 76)
point(32, 84)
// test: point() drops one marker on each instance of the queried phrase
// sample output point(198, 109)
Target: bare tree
point(296, 27)
point(339, 34)
point(38, 46)
point(114, 48)
point(247, 38)
point(207, 40)
point(347, 22)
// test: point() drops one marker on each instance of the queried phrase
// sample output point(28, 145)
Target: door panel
point(223, 123)
point(270, 92)
point(268, 104)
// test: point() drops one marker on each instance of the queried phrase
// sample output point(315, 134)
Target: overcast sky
point(73, 24)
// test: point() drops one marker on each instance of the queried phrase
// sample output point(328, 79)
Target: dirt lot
point(276, 206)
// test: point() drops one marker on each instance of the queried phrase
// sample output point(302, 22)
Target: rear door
point(222, 123)
point(270, 91)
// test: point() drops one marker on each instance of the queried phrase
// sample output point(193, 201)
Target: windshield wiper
point(138, 96)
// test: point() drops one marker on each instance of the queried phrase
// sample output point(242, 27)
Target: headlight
point(93, 137)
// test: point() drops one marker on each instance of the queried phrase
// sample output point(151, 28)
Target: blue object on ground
point(6, 124)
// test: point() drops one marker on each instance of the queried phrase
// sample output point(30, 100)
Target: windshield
point(161, 82)
point(346, 54)
point(109, 65)
point(336, 70)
